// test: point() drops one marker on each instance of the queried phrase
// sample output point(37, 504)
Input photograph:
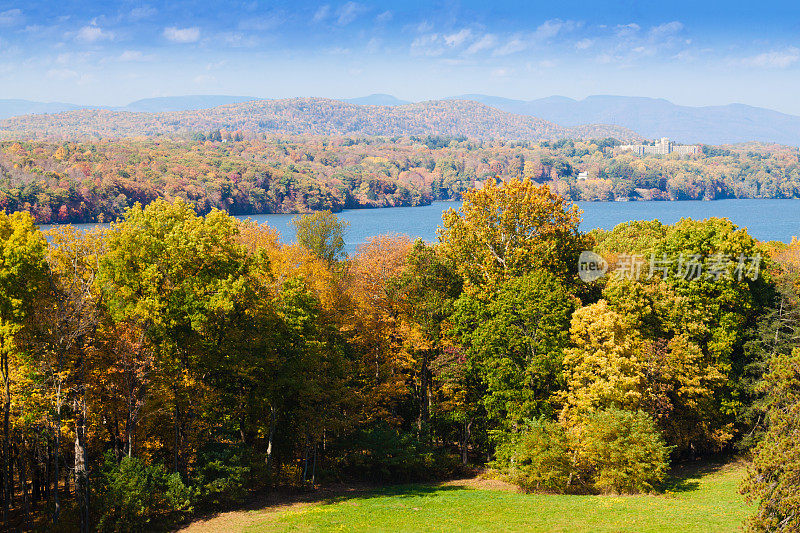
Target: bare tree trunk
point(305, 461)
point(314, 470)
point(177, 435)
point(424, 410)
point(67, 490)
point(272, 416)
point(81, 477)
point(81, 474)
point(48, 472)
point(6, 439)
point(56, 454)
point(465, 442)
point(23, 479)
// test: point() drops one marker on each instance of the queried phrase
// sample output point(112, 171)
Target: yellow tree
point(23, 273)
point(65, 326)
point(386, 363)
point(509, 229)
point(603, 368)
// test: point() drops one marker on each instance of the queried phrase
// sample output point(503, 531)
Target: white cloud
point(216, 65)
point(424, 26)
point(484, 43)
point(72, 58)
point(62, 74)
point(142, 12)
point(12, 17)
point(583, 44)
point(238, 39)
point(322, 13)
point(133, 55)
point(93, 33)
point(182, 35)
point(627, 30)
point(348, 13)
point(773, 59)
point(458, 38)
point(427, 45)
point(668, 29)
point(501, 72)
point(338, 51)
point(550, 28)
point(605, 59)
point(260, 23)
point(384, 17)
point(514, 45)
point(203, 79)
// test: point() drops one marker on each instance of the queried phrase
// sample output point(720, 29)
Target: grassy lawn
point(698, 499)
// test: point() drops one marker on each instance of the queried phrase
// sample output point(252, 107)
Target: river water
point(764, 219)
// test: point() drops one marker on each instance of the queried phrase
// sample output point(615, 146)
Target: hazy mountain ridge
point(377, 99)
point(16, 107)
point(164, 104)
point(657, 117)
point(310, 116)
point(650, 117)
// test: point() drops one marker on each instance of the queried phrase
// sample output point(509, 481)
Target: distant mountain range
point(165, 104)
point(656, 117)
point(650, 117)
point(310, 116)
point(377, 99)
point(15, 108)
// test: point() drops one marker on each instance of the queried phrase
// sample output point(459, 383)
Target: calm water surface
point(764, 219)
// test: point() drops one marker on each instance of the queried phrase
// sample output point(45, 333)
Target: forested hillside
point(309, 116)
point(90, 181)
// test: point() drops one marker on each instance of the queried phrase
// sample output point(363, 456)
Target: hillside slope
point(310, 116)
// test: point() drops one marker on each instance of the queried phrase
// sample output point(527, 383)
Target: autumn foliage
point(174, 362)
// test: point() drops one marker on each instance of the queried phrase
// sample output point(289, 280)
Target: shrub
point(609, 451)
point(624, 450)
point(382, 453)
point(134, 494)
point(222, 475)
point(538, 459)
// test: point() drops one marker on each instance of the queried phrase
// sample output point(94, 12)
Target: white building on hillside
point(661, 147)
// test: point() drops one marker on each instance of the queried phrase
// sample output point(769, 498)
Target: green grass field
point(699, 499)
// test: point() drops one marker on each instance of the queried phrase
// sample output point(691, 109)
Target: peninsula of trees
point(86, 181)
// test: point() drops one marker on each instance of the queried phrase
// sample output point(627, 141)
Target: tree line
point(82, 181)
point(174, 362)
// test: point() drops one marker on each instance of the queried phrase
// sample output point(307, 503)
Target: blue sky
point(111, 53)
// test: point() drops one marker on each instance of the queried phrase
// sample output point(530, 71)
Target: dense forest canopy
point(174, 362)
point(91, 181)
point(309, 116)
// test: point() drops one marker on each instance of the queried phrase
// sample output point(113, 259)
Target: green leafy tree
point(425, 292)
point(323, 234)
point(773, 480)
point(517, 341)
point(173, 274)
